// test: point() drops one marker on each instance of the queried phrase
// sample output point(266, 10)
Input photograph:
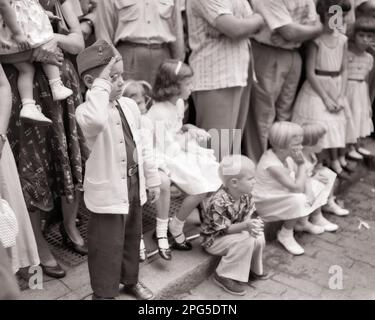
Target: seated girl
point(320, 182)
point(192, 168)
point(137, 90)
point(280, 191)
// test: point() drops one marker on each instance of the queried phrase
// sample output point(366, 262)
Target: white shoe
point(333, 207)
point(364, 152)
point(30, 113)
point(309, 228)
point(355, 155)
point(60, 92)
point(290, 244)
point(325, 224)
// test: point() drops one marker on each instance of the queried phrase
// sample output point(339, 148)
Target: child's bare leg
point(342, 157)
point(26, 72)
point(286, 237)
point(59, 91)
point(162, 216)
point(335, 163)
point(176, 226)
point(70, 212)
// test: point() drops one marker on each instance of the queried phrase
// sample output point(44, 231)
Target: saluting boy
point(118, 171)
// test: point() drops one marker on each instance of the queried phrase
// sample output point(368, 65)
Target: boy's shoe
point(31, 113)
point(230, 286)
point(290, 244)
point(59, 91)
point(253, 276)
point(139, 291)
point(333, 207)
point(309, 228)
point(364, 152)
point(95, 297)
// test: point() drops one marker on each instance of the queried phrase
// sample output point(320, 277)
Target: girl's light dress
point(321, 191)
point(33, 21)
point(309, 106)
point(25, 252)
point(359, 67)
point(192, 168)
point(274, 202)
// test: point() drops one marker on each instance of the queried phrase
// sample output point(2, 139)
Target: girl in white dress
point(322, 98)
point(360, 64)
point(137, 90)
point(321, 180)
point(25, 25)
point(192, 168)
point(281, 179)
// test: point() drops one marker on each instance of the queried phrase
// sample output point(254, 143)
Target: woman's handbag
point(8, 225)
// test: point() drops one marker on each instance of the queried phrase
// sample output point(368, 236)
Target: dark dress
point(50, 159)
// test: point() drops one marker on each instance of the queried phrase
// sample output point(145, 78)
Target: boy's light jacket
point(105, 182)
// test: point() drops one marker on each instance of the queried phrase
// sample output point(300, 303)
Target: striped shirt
point(218, 61)
point(279, 13)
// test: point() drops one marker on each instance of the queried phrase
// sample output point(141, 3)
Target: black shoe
point(349, 168)
point(139, 291)
point(264, 276)
point(81, 249)
point(95, 297)
point(184, 246)
point(54, 272)
point(165, 254)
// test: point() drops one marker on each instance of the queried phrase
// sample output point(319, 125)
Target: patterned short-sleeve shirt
point(218, 61)
point(220, 212)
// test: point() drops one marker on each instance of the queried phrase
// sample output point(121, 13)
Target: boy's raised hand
point(106, 73)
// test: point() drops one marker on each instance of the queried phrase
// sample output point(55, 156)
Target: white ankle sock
point(54, 82)
point(142, 245)
point(161, 232)
point(176, 227)
point(285, 233)
point(26, 102)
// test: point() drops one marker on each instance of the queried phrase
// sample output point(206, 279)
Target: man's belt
point(333, 74)
point(145, 45)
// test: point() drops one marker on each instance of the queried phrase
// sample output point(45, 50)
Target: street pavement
point(335, 266)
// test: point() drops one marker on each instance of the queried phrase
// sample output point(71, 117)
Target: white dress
point(25, 252)
point(321, 191)
point(309, 106)
point(192, 168)
point(358, 93)
point(273, 201)
point(33, 21)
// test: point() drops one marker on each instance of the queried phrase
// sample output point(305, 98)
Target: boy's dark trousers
point(113, 245)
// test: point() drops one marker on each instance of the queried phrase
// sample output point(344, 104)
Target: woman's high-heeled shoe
point(80, 249)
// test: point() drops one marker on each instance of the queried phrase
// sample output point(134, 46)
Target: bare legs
point(70, 211)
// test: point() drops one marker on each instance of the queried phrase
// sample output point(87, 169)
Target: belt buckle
point(132, 170)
